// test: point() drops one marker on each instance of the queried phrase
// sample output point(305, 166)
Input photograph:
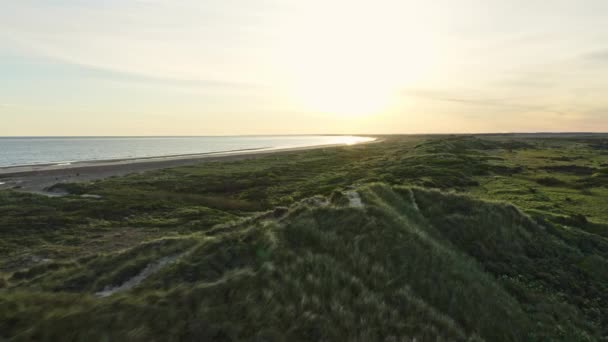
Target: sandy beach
point(38, 178)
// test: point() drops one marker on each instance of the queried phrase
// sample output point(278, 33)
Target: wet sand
point(38, 178)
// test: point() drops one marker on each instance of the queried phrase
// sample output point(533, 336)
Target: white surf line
point(136, 280)
point(354, 199)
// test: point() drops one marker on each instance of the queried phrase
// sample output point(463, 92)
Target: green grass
point(509, 245)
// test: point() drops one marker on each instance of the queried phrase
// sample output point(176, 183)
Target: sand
point(38, 178)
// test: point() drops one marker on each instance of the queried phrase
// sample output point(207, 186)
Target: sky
point(228, 67)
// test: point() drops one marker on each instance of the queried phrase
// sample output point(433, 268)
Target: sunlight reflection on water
point(352, 140)
point(65, 150)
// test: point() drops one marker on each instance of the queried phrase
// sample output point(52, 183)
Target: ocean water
point(16, 151)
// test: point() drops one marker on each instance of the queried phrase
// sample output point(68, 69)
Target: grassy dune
point(278, 249)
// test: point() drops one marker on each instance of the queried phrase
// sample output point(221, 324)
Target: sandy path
point(354, 199)
point(145, 273)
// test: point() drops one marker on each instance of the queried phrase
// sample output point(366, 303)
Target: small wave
point(63, 164)
point(2, 183)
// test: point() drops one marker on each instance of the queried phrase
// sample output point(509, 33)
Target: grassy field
point(491, 237)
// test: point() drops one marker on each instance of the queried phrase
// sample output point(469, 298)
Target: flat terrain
point(472, 238)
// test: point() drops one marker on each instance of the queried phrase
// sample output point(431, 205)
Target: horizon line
point(298, 134)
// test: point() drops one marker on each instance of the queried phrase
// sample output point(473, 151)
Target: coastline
point(37, 178)
point(80, 163)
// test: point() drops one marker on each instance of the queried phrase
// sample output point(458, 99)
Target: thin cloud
point(597, 56)
point(495, 103)
point(501, 103)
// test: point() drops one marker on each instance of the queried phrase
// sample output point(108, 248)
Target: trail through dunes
point(354, 199)
point(136, 280)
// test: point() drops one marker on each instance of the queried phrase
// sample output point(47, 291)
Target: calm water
point(50, 150)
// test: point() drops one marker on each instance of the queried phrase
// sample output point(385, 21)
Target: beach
point(39, 178)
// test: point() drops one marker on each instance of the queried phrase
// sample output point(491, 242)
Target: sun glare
point(356, 63)
point(343, 95)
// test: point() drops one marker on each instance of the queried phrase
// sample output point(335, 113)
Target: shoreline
point(37, 178)
point(93, 162)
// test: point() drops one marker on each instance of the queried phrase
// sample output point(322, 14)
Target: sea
point(19, 151)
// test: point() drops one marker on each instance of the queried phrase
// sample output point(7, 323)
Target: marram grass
point(275, 249)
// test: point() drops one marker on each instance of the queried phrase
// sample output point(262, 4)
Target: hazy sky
point(196, 67)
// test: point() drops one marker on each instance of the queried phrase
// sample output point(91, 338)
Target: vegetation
point(278, 248)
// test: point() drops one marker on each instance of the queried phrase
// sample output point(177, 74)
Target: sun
point(344, 94)
point(352, 64)
point(345, 81)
